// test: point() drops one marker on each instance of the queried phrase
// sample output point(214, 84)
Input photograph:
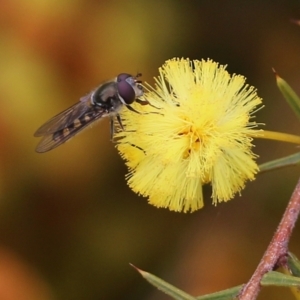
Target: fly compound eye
point(125, 85)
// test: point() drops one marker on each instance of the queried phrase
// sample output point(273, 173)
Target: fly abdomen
point(74, 127)
point(84, 119)
point(61, 134)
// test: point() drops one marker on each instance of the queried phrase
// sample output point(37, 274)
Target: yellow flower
point(201, 132)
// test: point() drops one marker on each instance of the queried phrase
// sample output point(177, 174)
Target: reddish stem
point(276, 249)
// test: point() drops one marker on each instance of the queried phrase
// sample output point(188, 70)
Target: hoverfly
point(104, 101)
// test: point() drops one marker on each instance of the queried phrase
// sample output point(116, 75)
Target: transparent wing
point(52, 139)
point(67, 117)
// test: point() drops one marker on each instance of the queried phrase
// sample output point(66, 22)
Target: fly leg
point(144, 102)
point(112, 126)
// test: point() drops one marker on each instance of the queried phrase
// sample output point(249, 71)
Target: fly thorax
point(106, 97)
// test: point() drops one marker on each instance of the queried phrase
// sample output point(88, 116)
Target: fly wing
point(67, 117)
point(53, 139)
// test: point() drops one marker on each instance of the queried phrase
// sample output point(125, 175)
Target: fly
point(104, 101)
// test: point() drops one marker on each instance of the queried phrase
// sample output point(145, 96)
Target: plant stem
point(278, 136)
point(277, 249)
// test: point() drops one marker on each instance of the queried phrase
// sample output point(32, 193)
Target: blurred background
point(69, 225)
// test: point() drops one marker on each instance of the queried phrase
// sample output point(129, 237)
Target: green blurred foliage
point(69, 225)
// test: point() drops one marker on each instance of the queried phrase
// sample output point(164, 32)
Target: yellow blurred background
point(69, 225)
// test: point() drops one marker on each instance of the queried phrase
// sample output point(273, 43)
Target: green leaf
point(222, 295)
point(289, 94)
point(279, 279)
point(165, 287)
point(287, 161)
point(293, 264)
point(178, 294)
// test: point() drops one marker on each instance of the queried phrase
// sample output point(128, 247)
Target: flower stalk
point(279, 136)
